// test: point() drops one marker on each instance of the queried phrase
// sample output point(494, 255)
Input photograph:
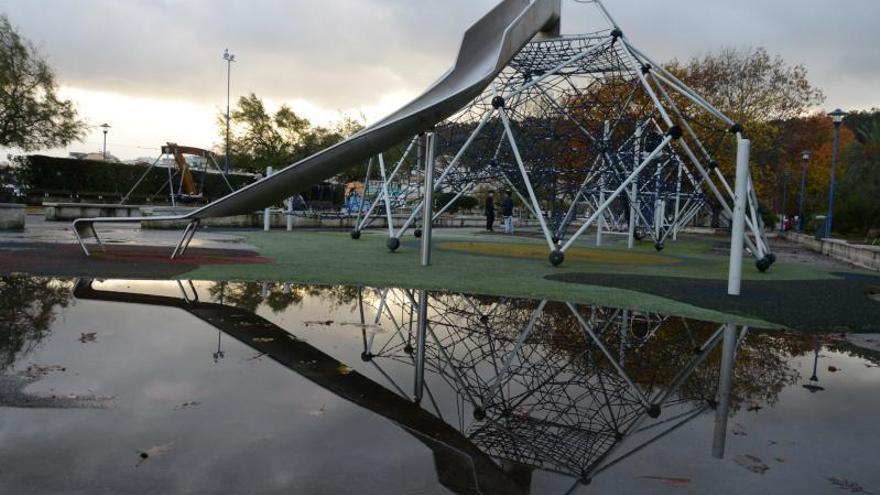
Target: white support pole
point(677, 201)
point(737, 241)
point(725, 384)
point(385, 196)
point(290, 214)
point(634, 190)
point(267, 212)
point(428, 202)
point(600, 223)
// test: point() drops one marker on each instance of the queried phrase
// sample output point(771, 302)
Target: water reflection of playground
point(508, 385)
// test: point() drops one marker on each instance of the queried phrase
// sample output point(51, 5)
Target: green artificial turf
point(334, 258)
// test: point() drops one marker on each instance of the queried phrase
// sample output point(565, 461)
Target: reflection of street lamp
point(219, 354)
point(837, 117)
point(814, 386)
point(105, 126)
point(805, 156)
point(229, 58)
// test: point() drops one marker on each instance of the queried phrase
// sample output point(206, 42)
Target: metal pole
point(105, 145)
point(229, 59)
point(737, 235)
point(800, 226)
point(725, 382)
point(785, 176)
point(428, 208)
point(420, 341)
point(634, 193)
point(267, 213)
point(829, 221)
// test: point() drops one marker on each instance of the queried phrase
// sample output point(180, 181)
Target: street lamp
point(837, 117)
point(229, 58)
point(805, 156)
point(105, 126)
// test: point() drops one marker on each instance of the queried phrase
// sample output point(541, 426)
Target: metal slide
point(486, 49)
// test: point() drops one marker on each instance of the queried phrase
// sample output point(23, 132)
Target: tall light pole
point(229, 58)
point(105, 127)
point(805, 156)
point(837, 117)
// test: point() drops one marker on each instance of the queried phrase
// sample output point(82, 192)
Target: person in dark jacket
point(507, 213)
point(490, 211)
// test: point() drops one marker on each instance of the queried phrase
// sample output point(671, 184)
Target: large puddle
point(202, 387)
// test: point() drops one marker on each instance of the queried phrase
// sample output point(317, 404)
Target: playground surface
point(803, 291)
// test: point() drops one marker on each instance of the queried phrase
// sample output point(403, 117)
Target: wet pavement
point(120, 386)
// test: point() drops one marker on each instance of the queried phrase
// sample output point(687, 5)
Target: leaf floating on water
point(668, 481)
point(847, 485)
point(153, 452)
point(833, 369)
point(752, 463)
point(263, 339)
point(88, 337)
point(318, 412)
point(343, 369)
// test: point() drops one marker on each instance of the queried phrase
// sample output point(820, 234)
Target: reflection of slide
point(486, 49)
point(461, 466)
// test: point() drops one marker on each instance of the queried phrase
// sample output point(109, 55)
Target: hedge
point(39, 175)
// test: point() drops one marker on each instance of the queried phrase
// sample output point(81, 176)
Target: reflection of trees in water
point(652, 348)
point(280, 296)
point(27, 309)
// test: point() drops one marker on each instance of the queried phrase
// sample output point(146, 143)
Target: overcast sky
point(153, 69)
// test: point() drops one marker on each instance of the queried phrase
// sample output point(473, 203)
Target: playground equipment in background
point(185, 190)
point(555, 117)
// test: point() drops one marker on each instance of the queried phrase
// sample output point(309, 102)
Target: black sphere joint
point(618, 436)
point(763, 264)
point(713, 165)
point(484, 319)
point(616, 33)
point(479, 413)
point(654, 411)
point(498, 102)
point(392, 243)
point(771, 257)
point(555, 239)
point(646, 69)
point(736, 129)
point(586, 479)
point(557, 257)
point(366, 357)
point(639, 235)
point(674, 132)
point(408, 349)
point(355, 234)
point(418, 233)
point(659, 246)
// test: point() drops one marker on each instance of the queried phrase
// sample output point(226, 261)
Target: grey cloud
point(345, 53)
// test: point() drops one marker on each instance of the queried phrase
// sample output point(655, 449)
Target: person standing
point(507, 212)
point(490, 211)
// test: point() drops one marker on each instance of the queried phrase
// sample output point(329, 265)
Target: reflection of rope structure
point(588, 133)
point(564, 388)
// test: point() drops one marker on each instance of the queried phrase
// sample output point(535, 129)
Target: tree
point(260, 139)
point(760, 92)
point(859, 190)
point(31, 114)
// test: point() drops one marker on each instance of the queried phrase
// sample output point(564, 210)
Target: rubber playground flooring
point(689, 278)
